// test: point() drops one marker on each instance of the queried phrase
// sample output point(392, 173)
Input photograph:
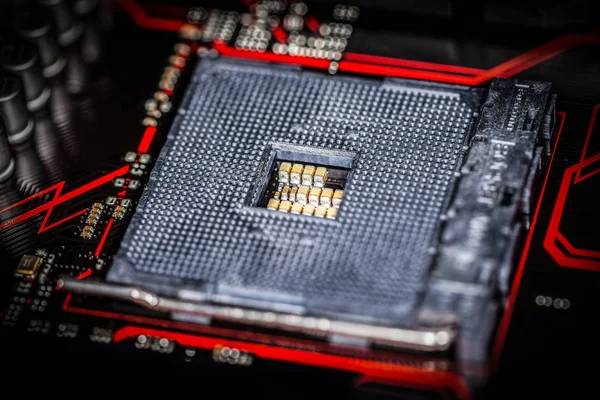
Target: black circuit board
point(91, 154)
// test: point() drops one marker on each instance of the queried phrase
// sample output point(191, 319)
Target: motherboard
point(302, 190)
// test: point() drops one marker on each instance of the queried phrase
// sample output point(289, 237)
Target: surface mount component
point(230, 216)
point(21, 59)
point(311, 190)
point(36, 28)
point(13, 109)
point(28, 265)
point(7, 162)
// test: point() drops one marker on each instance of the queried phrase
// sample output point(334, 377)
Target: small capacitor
point(296, 208)
point(308, 209)
point(67, 27)
point(293, 194)
point(35, 26)
point(285, 193)
point(13, 109)
point(314, 195)
point(337, 198)
point(320, 211)
point(284, 172)
point(285, 206)
point(326, 195)
point(7, 163)
point(296, 174)
point(302, 194)
point(308, 174)
point(320, 177)
point(331, 213)
point(273, 204)
point(21, 59)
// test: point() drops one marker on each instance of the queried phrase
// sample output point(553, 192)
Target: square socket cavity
point(202, 225)
point(306, 181)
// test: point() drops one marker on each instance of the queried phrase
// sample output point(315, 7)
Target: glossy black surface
point(93, 118)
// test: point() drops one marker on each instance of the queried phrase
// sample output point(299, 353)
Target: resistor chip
point(93, 218)
point(337, 198)
point(285, 194)
point(331, 213)
point(285, 206)
point(296, 174)
point(302, 189)
point(302, 194)
point(308, 209)
point(273, 204)
point(293, 194)
point(119, 212)
point(326, 195)
point(284, 172)
point(296, 208)
point(320, 211)
point(308, 174)
point(314, 195)
point(87, 232)
point(320, 177)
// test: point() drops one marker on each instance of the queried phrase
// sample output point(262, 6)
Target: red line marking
point(399, 62)
point(553, 231)
point(92, 185)
point(57, 200)
point(122, 193)
point(439, 74)
point(553, 234)
point(45, 221)
point(385, 70)
point(269, 56)
point(509, 68)
point(587, 162)
point(575, 251)
point(514, 290)
point(346, 66)
point(143, 20)
point(588, 137)
point(175, 325)
point(84, 274)
point(280, 35)
point(58, 187)
point(140, 18)
point(585, 176)
point(375, 369)
point(228, 333)
point(559, 205)
point(167, 9)
point(533, 57)
point(147, 139)
point(312, 24)
point(104, 236)
point(45, 227)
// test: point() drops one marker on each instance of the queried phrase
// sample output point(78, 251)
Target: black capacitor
point(85, 7)
point(7, 164)
point(14, 109)
point(35, 26)
point(67, 28)
point(21, 59)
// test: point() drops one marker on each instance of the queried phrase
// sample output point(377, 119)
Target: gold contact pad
point(301, 190)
